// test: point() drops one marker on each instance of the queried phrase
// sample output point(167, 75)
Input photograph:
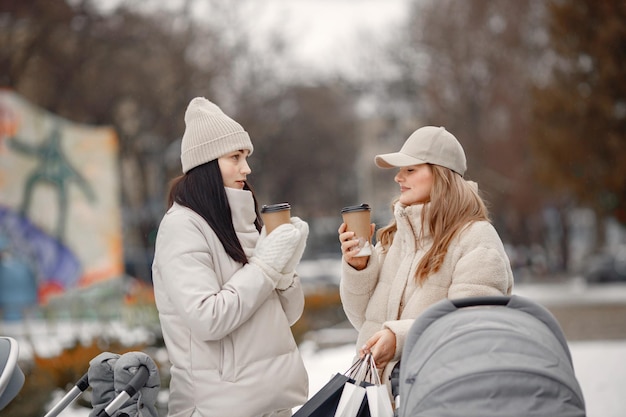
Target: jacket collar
point(409, 222)
point(242, 210)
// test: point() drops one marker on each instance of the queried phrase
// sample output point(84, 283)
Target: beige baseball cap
point(427, 145)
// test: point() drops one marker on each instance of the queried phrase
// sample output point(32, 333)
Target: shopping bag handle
point(373, 370)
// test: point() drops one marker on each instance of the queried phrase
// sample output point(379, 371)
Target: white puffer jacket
point(386, 295)
point(226, 329)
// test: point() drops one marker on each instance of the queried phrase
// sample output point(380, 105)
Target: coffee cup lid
point(359, 207)
point(268, 208)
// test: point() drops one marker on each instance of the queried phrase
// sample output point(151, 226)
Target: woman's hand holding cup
point(350, 247)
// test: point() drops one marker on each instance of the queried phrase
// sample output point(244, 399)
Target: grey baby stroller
point(488, 356)
point(122, 385)
point(11, 375)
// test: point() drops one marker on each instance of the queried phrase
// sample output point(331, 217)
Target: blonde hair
point(454, 203)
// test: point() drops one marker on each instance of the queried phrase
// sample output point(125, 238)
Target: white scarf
point(242, 210)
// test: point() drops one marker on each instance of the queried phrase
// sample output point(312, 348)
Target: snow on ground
point(601, 371)
point(600, 368)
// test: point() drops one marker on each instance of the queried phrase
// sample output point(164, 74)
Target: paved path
point(585, 312)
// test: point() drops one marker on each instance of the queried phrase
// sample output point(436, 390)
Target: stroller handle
point(135, 384)
point(496, 300)
point(81, 385)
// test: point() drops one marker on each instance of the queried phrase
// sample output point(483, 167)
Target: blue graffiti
point(54, 263)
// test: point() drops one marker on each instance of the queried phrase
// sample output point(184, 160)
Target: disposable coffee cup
point(357, 220)
point(274, 215)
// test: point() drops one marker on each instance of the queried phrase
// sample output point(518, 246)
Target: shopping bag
point(376, 396)
point(378, 401)
point(352, 402)
point(324, 402)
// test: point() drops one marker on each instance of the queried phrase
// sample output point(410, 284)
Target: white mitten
point(290, 267)
point(303, 227)
point(273, 251)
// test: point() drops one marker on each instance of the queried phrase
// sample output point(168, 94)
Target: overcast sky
point(324, 33)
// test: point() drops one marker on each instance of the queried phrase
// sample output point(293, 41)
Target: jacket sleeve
point(210, 307)
point(356, 288)
point(401, 329)
point(483, 269)
point(292, 300)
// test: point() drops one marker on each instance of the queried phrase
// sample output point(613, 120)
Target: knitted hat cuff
point(214, 148)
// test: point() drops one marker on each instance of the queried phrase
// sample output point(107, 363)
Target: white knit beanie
point(209, 134)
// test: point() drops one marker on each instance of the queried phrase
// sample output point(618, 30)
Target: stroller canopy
point(11, 376)
point(489, 356)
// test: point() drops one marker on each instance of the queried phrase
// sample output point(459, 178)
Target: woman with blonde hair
point(439, 244)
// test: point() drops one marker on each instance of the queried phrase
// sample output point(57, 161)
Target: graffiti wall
point(60, 217)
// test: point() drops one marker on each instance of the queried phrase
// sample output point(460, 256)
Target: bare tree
point(307, 141)
point(136, 69)
point(579, 127)
point(470, 66)
point(133, 70)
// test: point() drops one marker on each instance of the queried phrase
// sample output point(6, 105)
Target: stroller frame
point(12, 381)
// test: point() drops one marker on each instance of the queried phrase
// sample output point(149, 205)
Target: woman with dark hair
point(226, 291)
point(439, 244)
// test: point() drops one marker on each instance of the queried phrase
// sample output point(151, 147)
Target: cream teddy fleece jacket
point(385, 294)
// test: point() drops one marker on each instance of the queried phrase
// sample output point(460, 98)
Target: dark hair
point(202, 190)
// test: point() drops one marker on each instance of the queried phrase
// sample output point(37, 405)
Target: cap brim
point(396, 159)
